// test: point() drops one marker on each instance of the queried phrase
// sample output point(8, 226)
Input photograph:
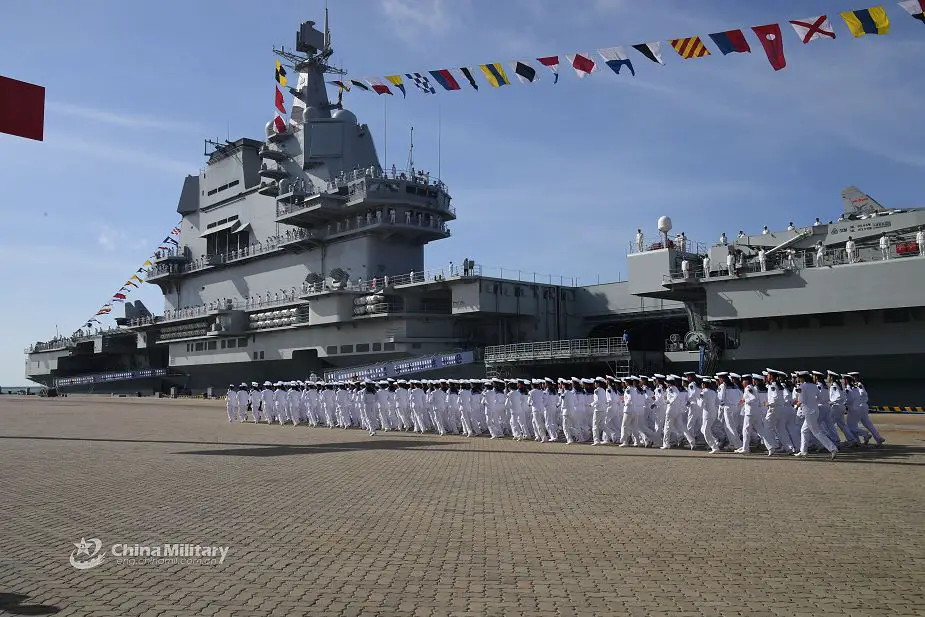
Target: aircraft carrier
point(300, 256)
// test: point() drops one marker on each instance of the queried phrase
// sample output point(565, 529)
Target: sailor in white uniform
point(677, 404)
point(267, 402)
point(709, 403)
point(599, 411)
point(537, 401)
point(807, 397)
point(837, 403)
point(776, 416)
point(254, 399)
point(243, 397)
point(552, 410)
point(231, 402)
point(753, 412)
point(859, 410)
point(694, 410)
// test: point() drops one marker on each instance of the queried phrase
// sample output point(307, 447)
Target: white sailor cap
point(735, 375)
point(383, 382)
point(562, 381)
point(659, 376)
point(818, 373)
point(757, 376)
point(853, 374)
point(549, 380)
point(267, 383)
point(401, 381)
point(390, 380)
point(690, 373)
point(833, 374)
point(802, 373)
point(701, 377)
point(536, 381)
point(254, 384)
point(722, 374)
point(231, 385)
point(243, 385)
point(587, 381)
point(672, 377)
point(748, 376)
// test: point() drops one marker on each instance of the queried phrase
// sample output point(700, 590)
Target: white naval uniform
point(808, 395)
point(709, 402)
point(537, 398)
point(243, 399)
point(552, 415)
point(861, 412)
point(268, 399)
point(754, 419)
point(231, 404)
point(599, 415)
point(776, 417)
point(694, 413)
point(569, 408)
point(837, 401)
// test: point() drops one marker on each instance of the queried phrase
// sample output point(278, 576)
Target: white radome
point(664, 224)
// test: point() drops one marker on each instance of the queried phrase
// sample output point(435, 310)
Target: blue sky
point(554, 179)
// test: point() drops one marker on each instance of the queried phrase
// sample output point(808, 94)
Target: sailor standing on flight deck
point(851, 250)
point(884, 247)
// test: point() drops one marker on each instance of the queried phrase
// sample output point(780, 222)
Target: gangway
point(788, 243)
point(400, 368)
point(558, 352)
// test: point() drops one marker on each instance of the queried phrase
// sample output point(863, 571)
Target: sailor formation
point(785, 413)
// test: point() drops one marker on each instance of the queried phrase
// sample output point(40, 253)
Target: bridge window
point(212, 345)
point(255, 356)
point(362, 347)
point(232, 343)
point(200, 346)
point(242, 342)
point(223, 344)
point(332, 350)
point(377, 346)
point(346, 348)
point(389, 347)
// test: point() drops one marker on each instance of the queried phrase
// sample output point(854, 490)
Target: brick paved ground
point(330, 522)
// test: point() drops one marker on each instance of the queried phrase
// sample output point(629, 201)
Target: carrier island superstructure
point(300, 255)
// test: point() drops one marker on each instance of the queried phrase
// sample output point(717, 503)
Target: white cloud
point(132, 121)
point(121, 156)
point(417, 20)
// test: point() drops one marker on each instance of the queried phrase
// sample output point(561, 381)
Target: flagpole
point(439, 140)
point(385, 140)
